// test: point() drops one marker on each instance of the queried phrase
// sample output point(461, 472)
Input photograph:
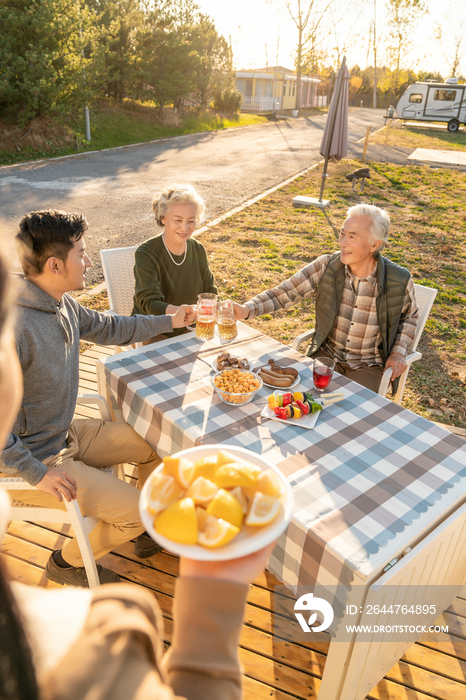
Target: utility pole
point(86, 107)
point(275, 76)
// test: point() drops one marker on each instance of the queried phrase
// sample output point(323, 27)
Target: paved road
point(114, 188)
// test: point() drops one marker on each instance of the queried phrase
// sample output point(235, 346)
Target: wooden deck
point(277, 668)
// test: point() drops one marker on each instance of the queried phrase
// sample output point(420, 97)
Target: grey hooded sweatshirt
point(47, 340)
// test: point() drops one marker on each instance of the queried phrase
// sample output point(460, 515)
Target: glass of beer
point(206, 315)
point(226, 322)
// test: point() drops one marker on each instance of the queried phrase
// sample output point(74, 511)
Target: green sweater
point(159, 282)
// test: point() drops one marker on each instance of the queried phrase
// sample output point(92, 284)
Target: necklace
point(171, 256)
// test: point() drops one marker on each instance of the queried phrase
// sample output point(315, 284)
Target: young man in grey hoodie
point(62, 457)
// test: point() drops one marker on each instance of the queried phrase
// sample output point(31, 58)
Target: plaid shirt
point(355, 337)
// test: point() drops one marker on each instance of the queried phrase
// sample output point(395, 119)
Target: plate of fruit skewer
point(299, 407)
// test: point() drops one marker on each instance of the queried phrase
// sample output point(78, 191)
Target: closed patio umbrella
point(334, 142)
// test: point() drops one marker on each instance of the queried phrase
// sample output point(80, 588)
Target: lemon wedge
point(202, 491)
point(225, 506)
point(216, 533)
point(238, 493)
point(178, 522)
point(264, 509)
point(236, 474)
point(206, 467)
point(224, 457)
point(201, 517)
point(164, 491)
point(179, 468)
point(267, 483)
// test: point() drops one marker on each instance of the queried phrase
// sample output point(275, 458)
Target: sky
point(253, 26)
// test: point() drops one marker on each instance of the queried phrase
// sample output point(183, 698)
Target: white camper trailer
point(434, 102)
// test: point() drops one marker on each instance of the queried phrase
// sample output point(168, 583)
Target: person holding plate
point(171, 268)
point(366, 311)
point(74, 643)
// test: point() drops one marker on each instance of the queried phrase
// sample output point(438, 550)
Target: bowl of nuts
point(236, 386)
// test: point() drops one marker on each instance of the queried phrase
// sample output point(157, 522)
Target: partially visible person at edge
point(172, 268)
point(62, 457)
point(107, 643)
point(366, 311)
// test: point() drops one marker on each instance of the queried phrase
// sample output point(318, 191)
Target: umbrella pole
point(324, 175)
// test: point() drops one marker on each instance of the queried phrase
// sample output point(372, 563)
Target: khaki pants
point(92, 445)
point(369, 377)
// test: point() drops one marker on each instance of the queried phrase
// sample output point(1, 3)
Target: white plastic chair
point(425, 297)
point(82, 526)
point(72, 515)
point(117, 266)
point(118, 269)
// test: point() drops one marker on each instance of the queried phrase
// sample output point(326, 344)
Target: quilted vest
point(391, 284)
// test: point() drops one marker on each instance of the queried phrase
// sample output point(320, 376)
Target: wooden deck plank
point(275, 666)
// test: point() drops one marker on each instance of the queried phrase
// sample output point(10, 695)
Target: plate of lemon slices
point(214, 503)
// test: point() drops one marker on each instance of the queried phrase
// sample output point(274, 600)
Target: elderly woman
point(172, 268)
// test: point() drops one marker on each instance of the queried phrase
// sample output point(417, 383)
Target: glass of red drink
point(322, 372)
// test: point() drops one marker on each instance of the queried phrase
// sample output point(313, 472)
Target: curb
point(130, 145)
point(204, 229)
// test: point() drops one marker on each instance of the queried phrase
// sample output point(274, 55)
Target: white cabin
point(434, 102)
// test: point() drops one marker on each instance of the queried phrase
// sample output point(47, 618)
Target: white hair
point(380, 221)
point(177, 194)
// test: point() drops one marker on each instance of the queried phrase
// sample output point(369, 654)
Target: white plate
point(213, 364)
point(249, 539)
point(308, 421)
point(284, 389)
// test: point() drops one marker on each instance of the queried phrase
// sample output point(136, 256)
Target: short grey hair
point(177, 194)
point(380, 221)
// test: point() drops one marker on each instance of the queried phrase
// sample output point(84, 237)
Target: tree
point(402, 14)
point(354, 86)
point(44, 57)
point(307, 17)
point(212, 62)
point(458, 46)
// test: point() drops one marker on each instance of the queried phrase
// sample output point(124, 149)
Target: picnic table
point(380, 514)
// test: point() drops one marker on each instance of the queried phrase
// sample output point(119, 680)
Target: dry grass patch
point(269, 241)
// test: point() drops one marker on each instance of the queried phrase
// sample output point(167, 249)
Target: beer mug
point(226, 322)
point(206, 315)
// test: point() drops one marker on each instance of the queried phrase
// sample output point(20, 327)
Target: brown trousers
point(369, 377)
point(93, 445)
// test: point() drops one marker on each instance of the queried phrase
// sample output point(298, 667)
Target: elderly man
point(366, 312)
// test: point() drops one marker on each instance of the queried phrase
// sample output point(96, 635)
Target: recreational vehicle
point(434, 102)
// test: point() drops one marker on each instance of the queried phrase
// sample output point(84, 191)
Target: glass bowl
point(232, 397)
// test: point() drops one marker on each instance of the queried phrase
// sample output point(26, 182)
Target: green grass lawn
point(416, 137)
point(119, 125)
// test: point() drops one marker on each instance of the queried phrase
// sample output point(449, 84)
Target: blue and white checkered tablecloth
point(365, 473)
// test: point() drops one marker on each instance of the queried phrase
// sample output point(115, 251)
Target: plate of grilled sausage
point(278, 377)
